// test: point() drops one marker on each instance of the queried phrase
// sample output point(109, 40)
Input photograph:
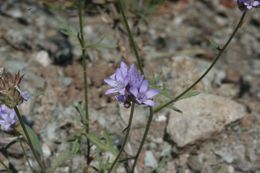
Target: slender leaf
point(34, 138)
point(60, 159)
point(189, 94)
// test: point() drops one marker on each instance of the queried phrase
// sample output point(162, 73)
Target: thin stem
point(132, 43)
point(147, 128)
point(85, 74)
point(6, 167)
point(209, 68)
point(130, 36)
point(24, 153)
point(28, 139)
point(125, 139)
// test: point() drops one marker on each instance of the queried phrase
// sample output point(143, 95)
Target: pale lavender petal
point(113, 76)
point(120, 98)
point(132, 69)
point(122, 91)
point(134, 91)
point(144, 86)
point(139, 101)
point(25, 95)
point(151, 93)
point(256, 3)
point(111, 91)
point(123, 68)
point(111, 82)
point(149, 103)
point(119, 75)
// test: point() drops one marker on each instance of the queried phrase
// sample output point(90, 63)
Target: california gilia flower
point(128, 85)
point(248, 4)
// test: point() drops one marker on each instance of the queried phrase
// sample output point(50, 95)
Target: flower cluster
point(129, 85)
point(248, 4)
point(10, 96)
point(7, 118)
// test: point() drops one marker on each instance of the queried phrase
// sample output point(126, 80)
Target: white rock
point(203, 115)
point(43, 58)
point(141, 114)
point(149, 160)
point(46, 150)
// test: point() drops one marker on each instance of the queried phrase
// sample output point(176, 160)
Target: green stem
point(209, 68)
point(28, 139)
point(24, 153)
point(85, 74)
point(6, 167)
point(125, 139)
point(130, 37)
point(134, 47)
point(147, 128)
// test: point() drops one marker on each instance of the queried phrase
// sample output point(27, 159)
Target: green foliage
point(166, 95)
point(145, 9)
point(189, 94)
point(34, 138)
point(160, 166)
point(99, 44)
point(60, 159)
point(102, 145)
point(72, 32)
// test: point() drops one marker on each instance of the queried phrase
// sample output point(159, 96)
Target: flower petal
point(111, 91)
point(149, 103)
point(122, 91)
point(121, 98)
point(123, 68)
point(144, 86)
point(134, 91)
point(110, 82)
point(119, 76)
point(151, 93)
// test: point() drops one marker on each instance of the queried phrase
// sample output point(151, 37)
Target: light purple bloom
point(7, 118)
point(248, 4)
point(129, 85)
point(118, 81)
point(144, 95)
point(25, 95)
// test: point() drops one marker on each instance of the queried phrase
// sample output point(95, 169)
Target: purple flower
point(25, 95)
point(144, 95)
point(248, 4)
point(135, 79)
point(129, 85)
point(118, 81)
point(7, 118)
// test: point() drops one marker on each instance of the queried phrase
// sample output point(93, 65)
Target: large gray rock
point(203, 115)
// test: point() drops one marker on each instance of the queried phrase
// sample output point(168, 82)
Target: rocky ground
point(218, 131)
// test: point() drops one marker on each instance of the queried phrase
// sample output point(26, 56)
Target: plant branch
point(24, 153)
point(6, 167)
point(28, 139)
point(133, 45)
point(125, 139)
point(130, 37)
point(222, 50)
point(147, 128)
point(85, 74)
